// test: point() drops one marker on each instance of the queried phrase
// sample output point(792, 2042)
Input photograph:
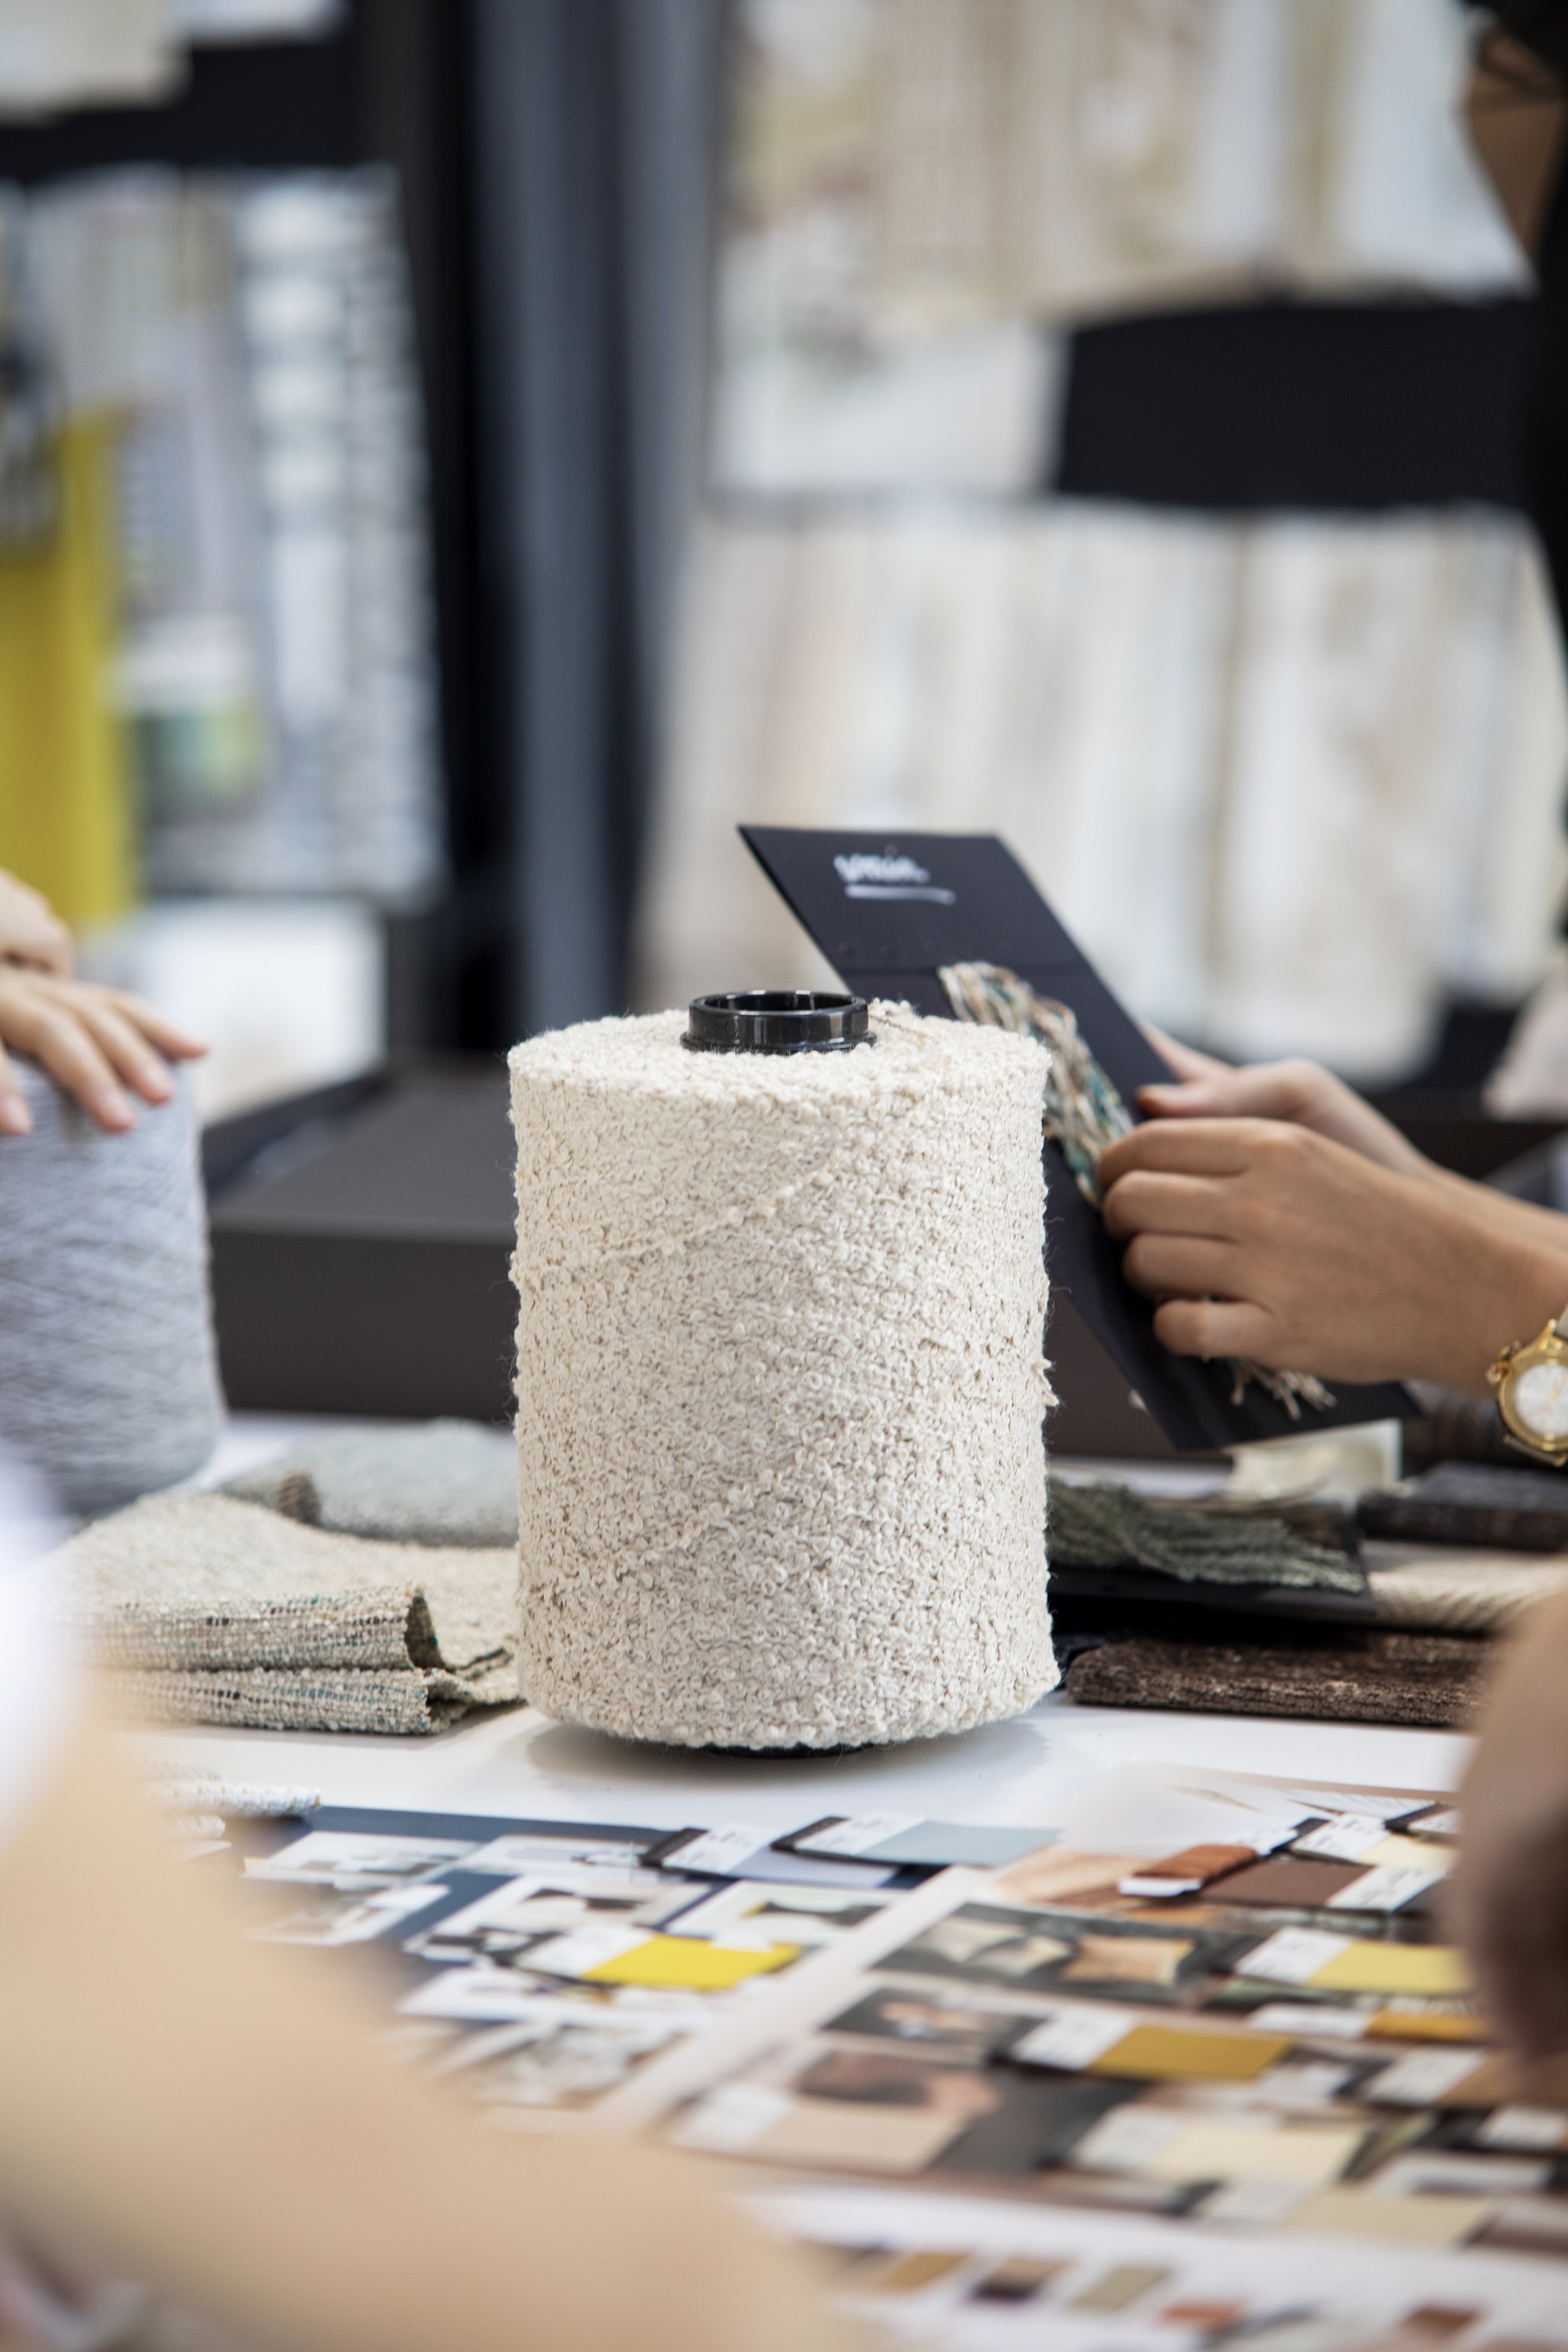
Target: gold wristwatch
point(1531, 1381)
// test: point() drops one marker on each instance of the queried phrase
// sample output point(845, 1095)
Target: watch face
point(1539, 1400)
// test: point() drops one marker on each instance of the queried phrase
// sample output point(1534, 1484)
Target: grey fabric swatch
point(1471, 1503)
point(437, 1482)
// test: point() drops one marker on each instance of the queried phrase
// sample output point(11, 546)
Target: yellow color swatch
point(1410, 2025)
point(1174, 2053)
point(1396, 1968)
point(65, 820)
point(686, 1960)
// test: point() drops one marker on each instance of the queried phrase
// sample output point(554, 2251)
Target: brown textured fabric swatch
point(1429, 1679)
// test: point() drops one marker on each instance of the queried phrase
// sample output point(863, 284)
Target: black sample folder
point(887, 915)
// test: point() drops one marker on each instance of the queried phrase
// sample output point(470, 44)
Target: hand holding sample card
point(891, 916)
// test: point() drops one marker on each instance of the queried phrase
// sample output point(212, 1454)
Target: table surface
point(520, 1763)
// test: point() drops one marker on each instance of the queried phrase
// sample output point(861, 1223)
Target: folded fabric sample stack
point(209, 1609)
point(1230, 1608)
point(1443, 1562)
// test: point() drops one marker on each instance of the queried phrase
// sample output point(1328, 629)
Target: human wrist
point(1521, 1288)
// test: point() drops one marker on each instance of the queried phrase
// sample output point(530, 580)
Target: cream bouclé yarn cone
point(781, 1383)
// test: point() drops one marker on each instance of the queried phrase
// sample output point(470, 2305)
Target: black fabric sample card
point(887, 915)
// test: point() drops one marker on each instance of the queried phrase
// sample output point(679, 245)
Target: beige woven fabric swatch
point(213, 1611)
point(1460, 1590)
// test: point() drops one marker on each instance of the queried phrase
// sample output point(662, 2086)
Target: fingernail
point(156, 1086)
point(15, 1116)
point(112, 1108)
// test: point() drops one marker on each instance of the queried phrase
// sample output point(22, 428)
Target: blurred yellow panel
point(65, 815)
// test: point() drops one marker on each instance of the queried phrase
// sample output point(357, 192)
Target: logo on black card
point(888, 876)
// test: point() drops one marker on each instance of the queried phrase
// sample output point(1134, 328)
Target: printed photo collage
point(550, 1962)
point(969, 2274)
point(1208, 2004)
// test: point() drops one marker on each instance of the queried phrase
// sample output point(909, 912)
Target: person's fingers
point(1213, 1326)
point(1175, 1265)
point(1206, 1147)
point(175, 1044)
point(1146, 1200)
point(1278, 1091)
point(16, 1118)
point(1185, 1060)
point(57, 1038)
point(1514, 1925)
point(31, 933)
point(126, 1050)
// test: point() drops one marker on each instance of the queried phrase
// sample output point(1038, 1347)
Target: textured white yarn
point(781, 1383)
point(108, 1375)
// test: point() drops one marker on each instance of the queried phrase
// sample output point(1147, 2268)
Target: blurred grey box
point(361, 1241)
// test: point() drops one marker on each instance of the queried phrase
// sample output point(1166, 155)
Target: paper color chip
point(1312, 2156)
point(1339, 1964)
point(1396, 1968)
point(1295, 1956)
point(861, 2138)
point(1128, 2284)
point(719, 1853)
point(1403, 2220)
point(683, 1960)
point(1072, 2038)
point(1349, 1837)
point(1410, 1854)
point(1127, 1959)
point(938, 1844)
point(1169, 2053)
point(1289, 1884)
point(1385, 1888)
point(1195, 1866)
point(1522, 2127)
point(1423, 2025)
point(1309, 2023)
point(838, 1833)
point(1425, 2078)
point(907, 2273)
point(1059, 1872)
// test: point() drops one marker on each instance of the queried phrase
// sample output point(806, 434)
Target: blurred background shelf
point(492, 447)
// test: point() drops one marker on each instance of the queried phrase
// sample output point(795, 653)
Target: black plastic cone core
point(777, 1020)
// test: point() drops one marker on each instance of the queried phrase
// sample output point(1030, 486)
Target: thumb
point(1187, 1098)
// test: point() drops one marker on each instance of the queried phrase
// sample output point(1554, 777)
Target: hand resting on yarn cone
point(95, 1042)
point(30, 931)
point(1262, 1238)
